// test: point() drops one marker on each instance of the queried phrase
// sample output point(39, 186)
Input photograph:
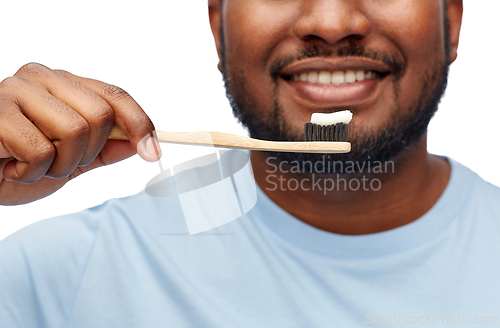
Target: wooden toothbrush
point(227, 140)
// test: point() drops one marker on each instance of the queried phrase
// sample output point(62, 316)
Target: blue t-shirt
point(131, 263)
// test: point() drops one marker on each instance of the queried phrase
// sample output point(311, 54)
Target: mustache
point(350, 49)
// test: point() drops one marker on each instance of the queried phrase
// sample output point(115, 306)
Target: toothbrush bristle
point(334, 132)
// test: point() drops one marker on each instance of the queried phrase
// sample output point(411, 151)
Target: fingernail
point(153, 146)
point(152, 150)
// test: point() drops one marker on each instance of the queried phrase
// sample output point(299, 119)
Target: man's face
point(387, 61)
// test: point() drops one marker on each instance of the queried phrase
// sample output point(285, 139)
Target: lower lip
point(352, 94)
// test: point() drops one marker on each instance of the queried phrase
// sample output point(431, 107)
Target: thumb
point(112, 152)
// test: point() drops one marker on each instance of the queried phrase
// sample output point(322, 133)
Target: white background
point(162, 53)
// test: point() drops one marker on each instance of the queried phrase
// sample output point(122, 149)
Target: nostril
point(331, 21)
point(311, 37)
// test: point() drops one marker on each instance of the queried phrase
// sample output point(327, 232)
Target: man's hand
point(55, 125)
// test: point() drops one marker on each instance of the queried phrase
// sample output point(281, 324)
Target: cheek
point(254, 28)
point(415, 29)
point(414, 26)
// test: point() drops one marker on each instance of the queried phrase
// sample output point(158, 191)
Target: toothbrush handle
point(227, 140)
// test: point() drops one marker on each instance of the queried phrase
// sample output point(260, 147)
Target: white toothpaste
point(344, 116)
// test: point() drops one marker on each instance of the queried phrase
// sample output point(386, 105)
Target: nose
point(331, 20)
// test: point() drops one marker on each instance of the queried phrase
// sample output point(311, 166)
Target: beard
point(370, 146)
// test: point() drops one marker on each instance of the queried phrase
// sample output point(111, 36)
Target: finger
point(4, 153)
point(112, 152)
point(3, 162)
point(129, 116)
point(64, 127)
point(93, 108)
point(32, 151)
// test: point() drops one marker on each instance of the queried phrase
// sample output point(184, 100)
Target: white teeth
point(360, 75)
point(312, 77)
point(335, 78)
point(338, 78)
point(350, 77)
point(324, 78)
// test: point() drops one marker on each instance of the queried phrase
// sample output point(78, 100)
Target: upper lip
point(334, 64)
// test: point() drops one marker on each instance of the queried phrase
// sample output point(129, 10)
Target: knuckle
point(61, 71)
point(78, 130)
point(140, 124)
point(104, 116)
point(11, 83)
point(140, 120)
point(45, 153)
point(4, 98)
point(33, 70)
point(144, 122)
point(114, 92)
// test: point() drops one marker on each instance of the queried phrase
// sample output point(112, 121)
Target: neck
point(388, 197)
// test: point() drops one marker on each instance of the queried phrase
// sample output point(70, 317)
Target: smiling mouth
point(326, 89)
point(319, 83)
point(335, 78)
